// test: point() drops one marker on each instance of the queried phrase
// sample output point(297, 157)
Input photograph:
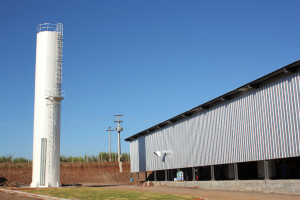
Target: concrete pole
point(236, 171)
point(194, 173)
point(119, 147)
point(109, 147)
point(266, 170)
point(166, 175)
point(109, 129)
point(212, 172)
point(119, 129)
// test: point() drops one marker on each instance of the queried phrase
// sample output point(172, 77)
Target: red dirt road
point(7, 196)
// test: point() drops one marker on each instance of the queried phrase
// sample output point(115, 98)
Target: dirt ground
point(107, 173)
point(6, 196)
point(20, 174)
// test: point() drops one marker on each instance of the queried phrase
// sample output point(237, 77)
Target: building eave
point(256, 84)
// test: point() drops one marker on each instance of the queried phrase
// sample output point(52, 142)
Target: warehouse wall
point(138, 155)
point(134, 156)
point(259, 124)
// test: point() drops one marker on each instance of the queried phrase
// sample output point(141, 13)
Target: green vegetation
point(101, 157)
point(87, 193)
point(5, 159)
point(10, 159)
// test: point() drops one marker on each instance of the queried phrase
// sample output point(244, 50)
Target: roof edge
point(290, 68)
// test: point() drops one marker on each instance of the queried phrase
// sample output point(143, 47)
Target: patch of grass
point(103, 193)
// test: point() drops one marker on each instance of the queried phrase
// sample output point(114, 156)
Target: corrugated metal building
point(257, 123)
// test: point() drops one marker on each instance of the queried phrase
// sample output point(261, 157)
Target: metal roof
point(291, 68)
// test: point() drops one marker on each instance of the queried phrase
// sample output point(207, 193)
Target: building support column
point(236, 171)
point(212, 172)
point(194, 173)
point(166, 175)
point(266, 169)
point(155, 176)
point(138, 175)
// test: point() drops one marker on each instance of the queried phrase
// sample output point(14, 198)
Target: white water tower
point(47, 100)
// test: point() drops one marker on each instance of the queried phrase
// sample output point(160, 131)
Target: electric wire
point(70, 121)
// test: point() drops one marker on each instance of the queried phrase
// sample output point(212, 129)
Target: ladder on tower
point(59, 53)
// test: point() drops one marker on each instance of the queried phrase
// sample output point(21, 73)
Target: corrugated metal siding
point(260, 124)
point(142, 154)
point(134, 156)
point(138, 155)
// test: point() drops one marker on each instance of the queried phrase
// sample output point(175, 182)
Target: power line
point(65, 122)
point(70, 122)
point(16, 123)
point(141, 120)
point(85, 120)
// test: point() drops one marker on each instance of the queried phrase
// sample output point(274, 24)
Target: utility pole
point(119, 129)
point(109, 129)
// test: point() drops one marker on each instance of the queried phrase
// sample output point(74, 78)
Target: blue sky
point(148, 60)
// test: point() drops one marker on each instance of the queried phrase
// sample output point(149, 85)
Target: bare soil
point(20, 174)
point(7, 196)
point(107, 173)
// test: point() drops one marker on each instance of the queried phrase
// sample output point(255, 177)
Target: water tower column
point(47, 106)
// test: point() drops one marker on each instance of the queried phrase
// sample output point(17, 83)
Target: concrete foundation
point(276, 186)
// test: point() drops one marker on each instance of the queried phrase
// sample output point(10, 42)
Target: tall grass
point(11, 159)
point(101, 157)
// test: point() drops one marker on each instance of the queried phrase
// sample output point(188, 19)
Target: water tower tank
point(47, 106)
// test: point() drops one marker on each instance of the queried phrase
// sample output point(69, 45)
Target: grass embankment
point(103, 193)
